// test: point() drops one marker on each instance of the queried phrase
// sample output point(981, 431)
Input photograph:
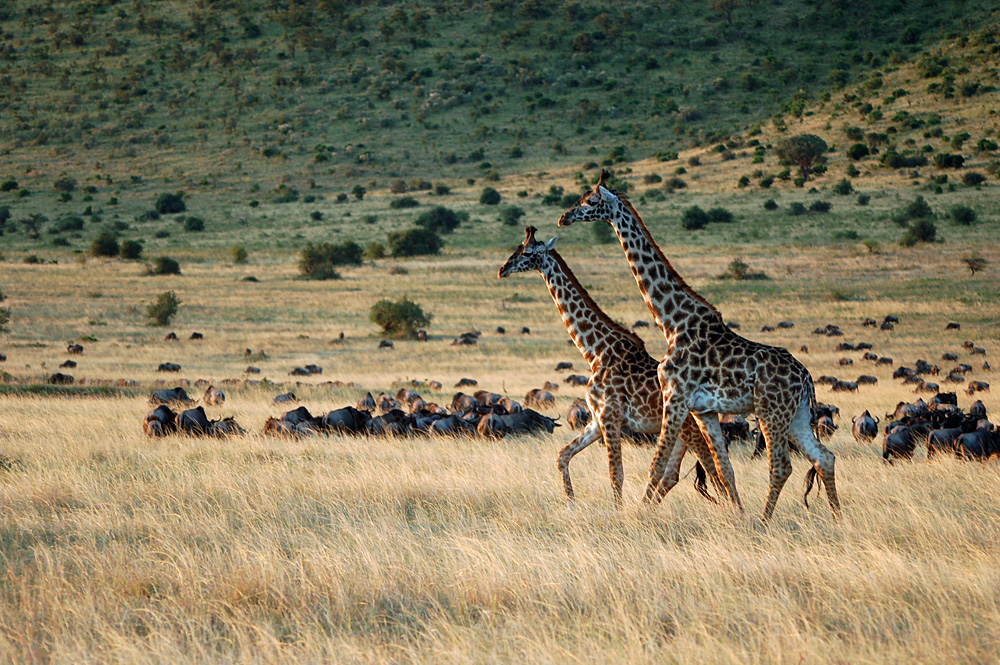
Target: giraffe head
point(529, 255)
point(595, 205)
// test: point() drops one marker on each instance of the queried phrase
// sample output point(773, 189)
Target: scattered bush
point(858, 151)
point(319, 261)
point(169, 204)
point(401, 318)
point(4, 319)
point(404, 202)
point(770, 205)
point(511, 215)
point(871, 245)
point(490, 197)
point(70, 223)
point(164, 265)
point(820, 206)
point(374, 250)
point(945, 160)
point(130, 249)
point(64, 184)
point(441, 190)
point(9, 185)
point(414, 242)
point(694, 218)
point(918, 209)
point(921, 230)
point(359, 192)
point(105, 244)
point(604, 233)
point(797, 208)
point(239, 254)
point(802, 150)
point(317, 216)
point(720, 216)
point(843, 187)
point(163, 310)
point(439, 219)
point(194, 224)
point(285, 194)
point(972, 178)
point(962, 214)
point(740, 270)
point(863, 199)
point(32, 259)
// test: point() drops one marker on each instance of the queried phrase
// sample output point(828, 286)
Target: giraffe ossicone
point(709, 369)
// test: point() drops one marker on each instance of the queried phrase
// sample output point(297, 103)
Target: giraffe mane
point(593, 306)
point(674, 275)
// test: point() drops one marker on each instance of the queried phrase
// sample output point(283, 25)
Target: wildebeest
point(981, 444)
point(466, 382)
point(75, 349)
point(60, 379)
point(884, 360)
point(560, 367)
point(927, 387)
point(870, 356)
point(214, 396)
point(642, 324)
point(844, 387)
point(194, 422)
point(486, 398)
point(862, 346)
point(844, 362)
point(886, 326)
point(299, 371)
point(890, 319)
point(252, 370)
point(196, 335)
point(825, 427)
point(386, 344)
point(978, 351)
point(464, 341)
point(578, 416)
point(285, 398)
point(978, 410)
point(171, 337)
point(226, 427)
point(68, 364)
point(501, 330)
point(550, 386)
point(866, 380)
point(952, 325)
point(978, 387)
point(525, 330)
point(347, 420)
point(951, 357)
point(160, 421)
point(576, 380)
point(733, 325)
point(869, 323)
point(767, 328)
point(865, 427)
point(734, 428)
point(804, 349)
point(168, 367)
point(540, 398)
point(529, 421)
point(170, 396)
point(462, 402)
point(786, 324)
point(491, 426)
point(844, 346)
point(899, 443)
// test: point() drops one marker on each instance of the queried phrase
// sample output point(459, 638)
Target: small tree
point(130, 249)
point(490, 197)
point(694, 218)
point(359, 192)
point(164, 265)
point(163, 310)
point(169, 204)
point(962, 214)
point(439, 219)
point(511, 215)
point(401, 318)
point(105, 244)
point(414, 242)
point(801, 150)
point(320, 261)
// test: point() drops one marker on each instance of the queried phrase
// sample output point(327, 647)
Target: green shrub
point(404, 202)
point(359, 192)
point(946, 160)
point(986, 145)
point(720, 216)
point(797, 208)
point(401, 318)
point(843, 187)
point(863, 199)
point(105, 244)
point(320, 261)
point(441, 190)
point(70, 223)
point(194, 224)
point(858, 151)
point(163, 310)
point(490, 196)
point(820, 206)
point(169, 204)
point(918, 209)
point(511, 215)
point(239, 254)
point(284, 194)
point(317, 216)
point(962, 214)
point(972, 178)
point(871, 245)
point(164, 265)
point(414, 242)
point(8, 185)
point(921, 230)
point(770, 205)
point(374, 250)
point(604, 233)
point(740, 270)
point(130, 249)
point(694, 218)
point(439, 219)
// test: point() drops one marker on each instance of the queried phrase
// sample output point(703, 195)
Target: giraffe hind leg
point(691, 435)
point(822, 460)
point(776, 437)
point(708, 423)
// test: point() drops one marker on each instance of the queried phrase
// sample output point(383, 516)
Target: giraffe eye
point(594, 200)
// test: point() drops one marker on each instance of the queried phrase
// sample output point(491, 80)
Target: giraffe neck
point(589, 327)
point(670, 300)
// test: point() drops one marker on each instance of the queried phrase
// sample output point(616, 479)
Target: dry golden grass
point(118, 548)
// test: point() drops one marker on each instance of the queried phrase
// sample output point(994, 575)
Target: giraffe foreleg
point(693, 438)
point(590, 434)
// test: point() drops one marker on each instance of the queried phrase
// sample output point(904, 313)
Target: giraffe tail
point(812, 475)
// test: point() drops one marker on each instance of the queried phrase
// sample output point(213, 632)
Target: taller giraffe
point(709, 369)
point(623, 390)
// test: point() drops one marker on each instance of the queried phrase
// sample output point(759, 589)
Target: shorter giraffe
point(623, 389)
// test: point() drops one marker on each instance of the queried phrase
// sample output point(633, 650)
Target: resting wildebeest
point(563, 366)
point(386, 344)
point(466, 382)
point(194, 422)
point(395, 423)
point(160, 421)
point(462, 402)
point(214, 396)
point(68, 364)
point(347, 420)
point(60, 379)
point(226, 427)
point(285, 398)
point(252, 370)
point(491, 427)
point(642, 324)
point(978, 410)
point(786, 324)
point(540, 398)
point(865, 428)
point(576, 380)
point(299, 371)
point(366, 403)
point(578, 416)
point(168, 367)
point(170, 396)
point(529, 421)
point(501, 330)
point(732, 325)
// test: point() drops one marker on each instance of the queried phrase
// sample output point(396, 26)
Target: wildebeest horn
point(853, 419)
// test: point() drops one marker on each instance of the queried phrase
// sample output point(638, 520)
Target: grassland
point(118, 548)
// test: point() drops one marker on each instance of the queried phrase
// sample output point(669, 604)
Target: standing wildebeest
point(865, 428)
point(214, 396)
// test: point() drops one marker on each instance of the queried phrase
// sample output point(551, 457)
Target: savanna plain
point(278, 135)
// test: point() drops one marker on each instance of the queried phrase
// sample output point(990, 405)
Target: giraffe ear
point(550, 244)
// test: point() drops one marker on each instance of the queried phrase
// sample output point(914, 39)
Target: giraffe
point(623, 389)
point(709, 369)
